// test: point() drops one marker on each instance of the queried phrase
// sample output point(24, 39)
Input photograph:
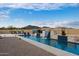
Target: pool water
point(70, 47)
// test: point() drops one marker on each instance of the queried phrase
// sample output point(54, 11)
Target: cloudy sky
point(39, 14)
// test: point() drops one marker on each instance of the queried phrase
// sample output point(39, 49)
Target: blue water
point(70, 47)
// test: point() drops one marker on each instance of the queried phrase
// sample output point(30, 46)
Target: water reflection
point(38, 39)
point(46, 41)
point(62, 45)
point(67, 46)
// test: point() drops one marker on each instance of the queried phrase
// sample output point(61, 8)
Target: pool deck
point(12, 46)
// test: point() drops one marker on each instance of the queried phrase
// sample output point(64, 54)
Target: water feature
point(70, 47)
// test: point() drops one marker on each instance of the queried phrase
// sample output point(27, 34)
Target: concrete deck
point(10, 46)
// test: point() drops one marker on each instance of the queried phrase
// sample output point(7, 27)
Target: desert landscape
point(39, 29)
point(72, 33)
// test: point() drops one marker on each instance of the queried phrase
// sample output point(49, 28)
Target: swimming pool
point(70, 47)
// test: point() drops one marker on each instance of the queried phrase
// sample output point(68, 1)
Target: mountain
point(45, 27)
point(30, 27)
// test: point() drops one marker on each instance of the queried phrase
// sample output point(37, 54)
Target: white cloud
point(65, 23)
point(3, 15)
point(18, 23)
point(39, 6)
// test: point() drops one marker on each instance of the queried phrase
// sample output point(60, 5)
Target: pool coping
point(52, 50)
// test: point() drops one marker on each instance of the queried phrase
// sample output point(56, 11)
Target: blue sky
point(39, 14)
